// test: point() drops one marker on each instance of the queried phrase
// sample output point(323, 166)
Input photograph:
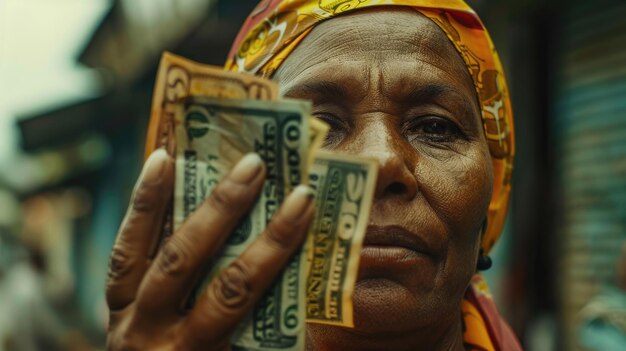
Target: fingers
point(238, 287)
point(186, 253)
point(139, 230)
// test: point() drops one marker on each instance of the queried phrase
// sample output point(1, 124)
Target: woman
point(417, 86)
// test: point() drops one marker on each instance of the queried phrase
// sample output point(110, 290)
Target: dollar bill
point(317, 136)
point(178, 77)
point(212, 135)
point(344, 187)
point(209, 135)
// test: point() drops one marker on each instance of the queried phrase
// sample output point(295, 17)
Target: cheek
point(458, 187)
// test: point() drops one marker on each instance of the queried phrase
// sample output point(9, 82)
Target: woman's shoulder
point(484, 325)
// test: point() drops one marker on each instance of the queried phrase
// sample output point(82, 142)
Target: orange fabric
point(475, 335)
point(276, 27)
point(484, 328)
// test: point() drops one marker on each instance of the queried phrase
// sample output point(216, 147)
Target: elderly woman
point(415, 84)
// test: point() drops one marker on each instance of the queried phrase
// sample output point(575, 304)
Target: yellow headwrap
point(276, 27)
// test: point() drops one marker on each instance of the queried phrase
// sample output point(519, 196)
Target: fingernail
point(154, 166)
point(247, 168)
point(297, 203)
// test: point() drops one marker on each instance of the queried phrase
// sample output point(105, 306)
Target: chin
point(388, 313)
point(383, 305)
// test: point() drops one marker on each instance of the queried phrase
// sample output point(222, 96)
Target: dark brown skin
point(392, 87)
point(435, 177)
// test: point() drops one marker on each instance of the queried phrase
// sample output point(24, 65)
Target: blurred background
point(76, 81)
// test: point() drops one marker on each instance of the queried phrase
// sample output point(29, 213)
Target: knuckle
point(120, 263)
point(232, 289)
point(225, 199)
point(146, 197)
point(119, 278)
point(173, 258)
point(277, 236)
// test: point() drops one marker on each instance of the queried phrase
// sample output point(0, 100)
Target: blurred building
point(93, 148)
point(567, 68)
point(589, 126)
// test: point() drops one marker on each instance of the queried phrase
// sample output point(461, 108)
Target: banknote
point(178, 77)
point(242, 114)
point(212, 135)
point(317, 136)
point(344, 187)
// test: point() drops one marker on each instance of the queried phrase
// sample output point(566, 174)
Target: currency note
point(178, 77)
point(317, 136)
point(212, 135)
point(344, 187)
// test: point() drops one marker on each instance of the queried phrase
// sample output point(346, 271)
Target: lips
point(395, 236)
point(395, 247)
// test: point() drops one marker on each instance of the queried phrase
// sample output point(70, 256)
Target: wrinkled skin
point(393, 88)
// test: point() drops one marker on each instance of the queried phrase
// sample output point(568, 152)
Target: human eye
point(434, 129)
point(338, 128)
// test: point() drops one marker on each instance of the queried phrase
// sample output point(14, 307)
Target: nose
point(395, 160)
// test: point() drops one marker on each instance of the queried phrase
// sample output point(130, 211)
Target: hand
point(149, 281)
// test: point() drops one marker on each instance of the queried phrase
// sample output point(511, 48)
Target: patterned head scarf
point(276, 27)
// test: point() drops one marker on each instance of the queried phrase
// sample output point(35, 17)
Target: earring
point(484, 261)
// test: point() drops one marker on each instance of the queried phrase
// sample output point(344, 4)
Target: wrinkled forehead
point(378, 36)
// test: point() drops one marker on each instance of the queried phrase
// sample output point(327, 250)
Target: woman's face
point(392, 87)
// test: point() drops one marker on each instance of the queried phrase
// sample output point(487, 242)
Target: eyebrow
point(420, 94)
point(322, 88)
point(429, 92)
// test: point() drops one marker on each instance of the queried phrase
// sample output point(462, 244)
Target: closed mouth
point(396, 237)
